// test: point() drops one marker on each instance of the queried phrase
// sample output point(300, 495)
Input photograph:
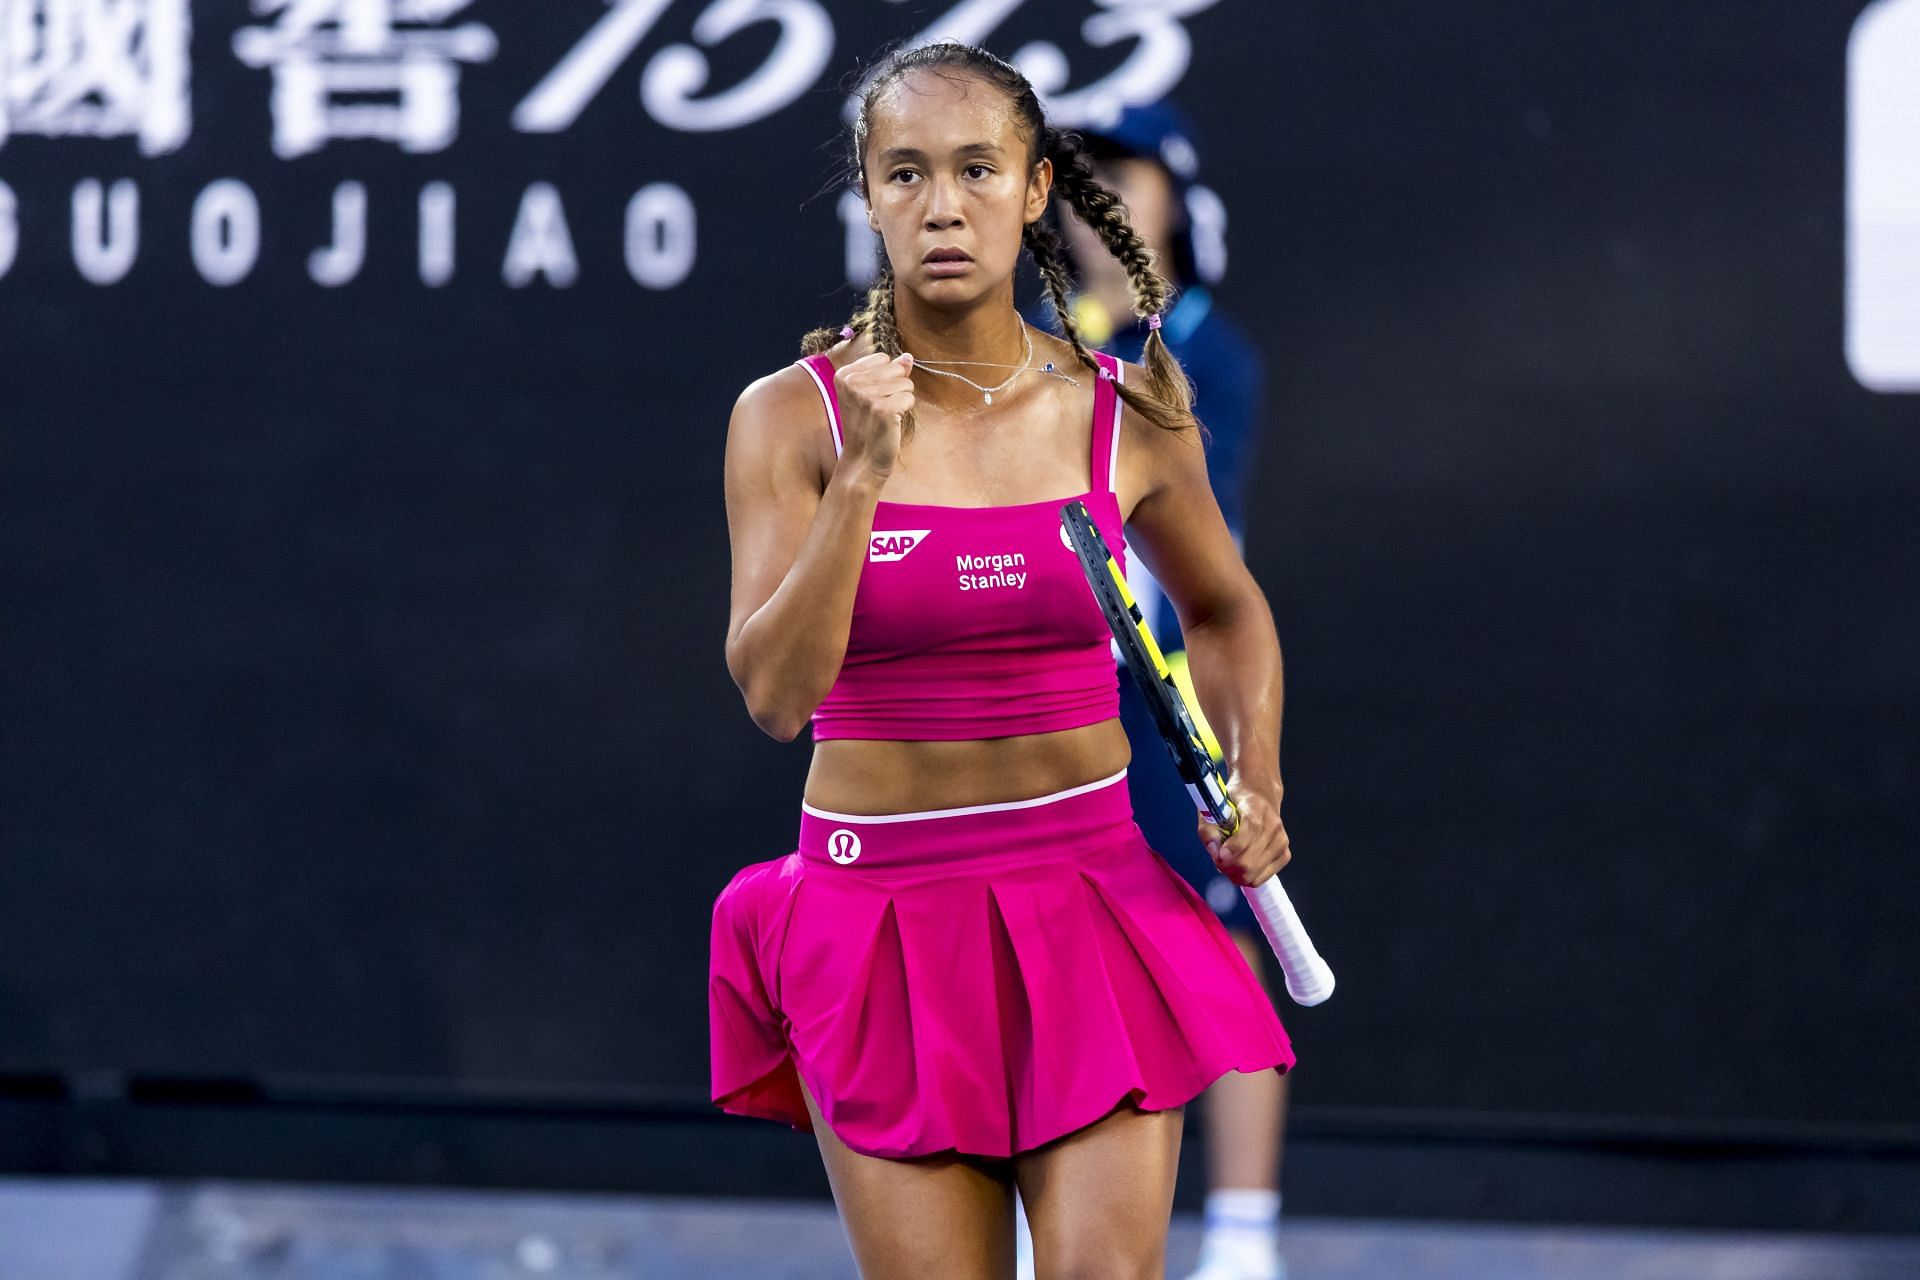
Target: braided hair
point(1165, 398)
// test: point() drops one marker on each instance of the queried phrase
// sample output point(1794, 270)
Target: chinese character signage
point(96, 68)
point(406, 109)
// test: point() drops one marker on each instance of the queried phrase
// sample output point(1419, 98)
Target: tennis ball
point(1092, 321)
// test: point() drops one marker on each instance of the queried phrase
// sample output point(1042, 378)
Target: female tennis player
point(973, 973)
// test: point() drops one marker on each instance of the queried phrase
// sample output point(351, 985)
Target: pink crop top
point(976, 622)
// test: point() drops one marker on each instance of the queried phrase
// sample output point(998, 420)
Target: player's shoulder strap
point(820, 369)
point(1106, 421)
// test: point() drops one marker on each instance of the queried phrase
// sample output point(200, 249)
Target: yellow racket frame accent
point(1183, 679)
point(1176, 672)
point(1195, 753)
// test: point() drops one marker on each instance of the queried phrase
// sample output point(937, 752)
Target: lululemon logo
point(843, 846)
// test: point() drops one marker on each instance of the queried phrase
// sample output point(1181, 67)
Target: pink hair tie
point(1153, 321)
point(847, 332)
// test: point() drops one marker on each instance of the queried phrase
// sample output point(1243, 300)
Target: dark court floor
point(123, 1230)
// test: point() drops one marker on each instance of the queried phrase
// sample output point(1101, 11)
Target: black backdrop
point(354, 639)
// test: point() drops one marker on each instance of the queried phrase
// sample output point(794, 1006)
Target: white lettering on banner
point(340, 261)
point(106, 233)
point(667, 85)
point(96, 68)
point(679, 71)
point(1155, 65)
point(969, 22)
point(390, 71)
point(324, 51)
point(556, 102)
point(9, 229)
point(1883, 197)
point(1151, 70)
point(660, 235)
point(541, 244)
point(226, 232)
point(1207, 233)
point(436, 234)
point(862, 244)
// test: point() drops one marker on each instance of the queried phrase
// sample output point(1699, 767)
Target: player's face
point(948, 185)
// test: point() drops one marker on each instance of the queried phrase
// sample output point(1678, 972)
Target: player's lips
point(946, 261)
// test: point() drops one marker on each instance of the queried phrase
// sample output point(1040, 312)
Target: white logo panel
point(1883, 197)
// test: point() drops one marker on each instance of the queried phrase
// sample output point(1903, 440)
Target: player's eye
point(984, 171)
point(898, 174)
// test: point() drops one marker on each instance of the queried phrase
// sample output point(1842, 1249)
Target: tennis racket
point(1309, 980)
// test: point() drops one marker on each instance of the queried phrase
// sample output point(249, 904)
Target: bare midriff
point(873, 776)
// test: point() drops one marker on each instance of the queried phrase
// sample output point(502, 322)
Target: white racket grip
point(1309, 980)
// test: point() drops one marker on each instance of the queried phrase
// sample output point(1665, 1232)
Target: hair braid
point(879, 327)
point(817, 341)
point(1056, 277)
point(876, 321)
point(1101, 209)
point(1167, 396)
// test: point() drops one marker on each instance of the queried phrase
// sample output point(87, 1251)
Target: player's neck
point(990, 331)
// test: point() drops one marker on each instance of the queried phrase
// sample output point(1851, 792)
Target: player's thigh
point(1099, 1200)
point(1253, 949)
point(932, 1216)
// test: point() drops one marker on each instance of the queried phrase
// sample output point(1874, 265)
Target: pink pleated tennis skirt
point(982, 980)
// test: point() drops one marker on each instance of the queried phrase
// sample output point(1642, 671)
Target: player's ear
point(1039, 188)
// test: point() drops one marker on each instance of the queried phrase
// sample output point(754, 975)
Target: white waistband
point(1001, 807)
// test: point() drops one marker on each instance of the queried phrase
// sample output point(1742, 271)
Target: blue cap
point(1158, 131)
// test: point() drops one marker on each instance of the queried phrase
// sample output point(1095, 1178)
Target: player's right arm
point(798, 545)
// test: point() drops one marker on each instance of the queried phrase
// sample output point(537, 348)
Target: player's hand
point(875, 394)
point(1258, 847)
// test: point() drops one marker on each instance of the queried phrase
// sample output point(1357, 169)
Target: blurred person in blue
point(1146, 154)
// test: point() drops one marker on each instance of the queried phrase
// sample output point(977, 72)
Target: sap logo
point(893, 544)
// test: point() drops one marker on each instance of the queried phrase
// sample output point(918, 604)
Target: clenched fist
point(875, 394)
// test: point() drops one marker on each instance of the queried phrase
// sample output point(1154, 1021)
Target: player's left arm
point(1233, 650)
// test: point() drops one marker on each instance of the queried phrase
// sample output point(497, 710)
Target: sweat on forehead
point(960, 99)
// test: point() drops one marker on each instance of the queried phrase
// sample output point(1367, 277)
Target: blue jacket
point(1229, 384)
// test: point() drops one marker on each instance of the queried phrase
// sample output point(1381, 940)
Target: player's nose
point(943, 204)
